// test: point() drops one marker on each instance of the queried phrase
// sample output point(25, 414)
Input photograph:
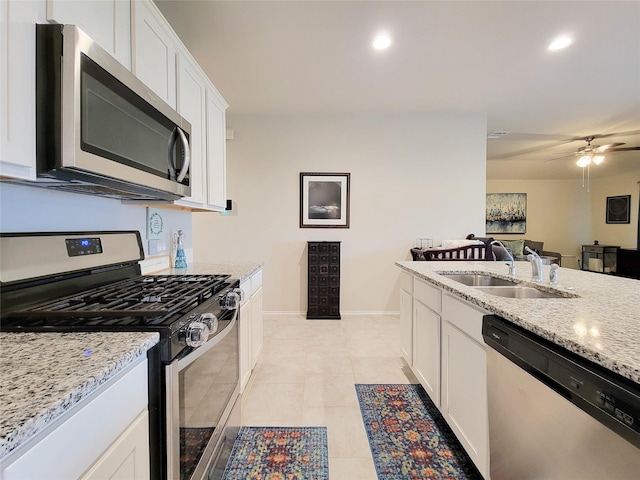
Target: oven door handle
point(212, 342)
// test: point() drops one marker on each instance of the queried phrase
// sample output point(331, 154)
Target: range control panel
point(83, 246)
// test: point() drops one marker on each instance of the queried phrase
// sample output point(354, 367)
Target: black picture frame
point(619, 209)
point(324, 200)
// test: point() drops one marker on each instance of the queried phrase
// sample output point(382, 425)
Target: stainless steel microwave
point(99, 129)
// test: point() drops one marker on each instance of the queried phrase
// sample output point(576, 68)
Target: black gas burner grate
point(140, 300)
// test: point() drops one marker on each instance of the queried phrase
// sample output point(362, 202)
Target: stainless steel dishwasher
point(555, 415)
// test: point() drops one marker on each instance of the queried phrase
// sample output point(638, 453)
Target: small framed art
point(324, 200)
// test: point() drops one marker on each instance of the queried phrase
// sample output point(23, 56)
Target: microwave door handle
point(172, 164)
point(187, 155)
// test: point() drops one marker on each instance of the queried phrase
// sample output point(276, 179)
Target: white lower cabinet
point(464, 379)
point(406, 317)
point(426, 354)
point(245, 344)
point(128, 457)
point(103, 436)
point(251, 326)
point(449, 360)
point(406, 326)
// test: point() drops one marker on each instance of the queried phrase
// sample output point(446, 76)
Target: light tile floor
point(306, 376)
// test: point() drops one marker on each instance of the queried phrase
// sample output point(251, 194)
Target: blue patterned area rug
point(408, 437)
point(279, 453)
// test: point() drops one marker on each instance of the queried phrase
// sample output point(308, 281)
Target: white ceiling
point(465, 56)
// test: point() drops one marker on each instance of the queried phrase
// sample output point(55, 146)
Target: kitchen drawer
point(463, 315)
point(406, 282)
point(427, 294)
point(256, 281)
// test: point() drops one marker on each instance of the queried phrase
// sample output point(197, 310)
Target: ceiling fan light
point(598, 159)
point(584, 161)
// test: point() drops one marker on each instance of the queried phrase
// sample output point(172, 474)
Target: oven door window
point(206, 386)
point(117, 124)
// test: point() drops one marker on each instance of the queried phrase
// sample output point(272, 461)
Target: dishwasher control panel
point(618, 408)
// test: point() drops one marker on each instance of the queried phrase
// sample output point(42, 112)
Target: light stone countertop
point(239, 270)
point(43, 375)
point(601, 324)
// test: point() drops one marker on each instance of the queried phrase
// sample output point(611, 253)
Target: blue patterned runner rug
point(408, 437)
point(279, 453)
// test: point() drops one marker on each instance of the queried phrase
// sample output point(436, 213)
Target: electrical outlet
point(157, 247)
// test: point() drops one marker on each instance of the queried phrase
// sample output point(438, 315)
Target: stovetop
point(147, 302)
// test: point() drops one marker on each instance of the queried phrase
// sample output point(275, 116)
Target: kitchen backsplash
point(29, 209)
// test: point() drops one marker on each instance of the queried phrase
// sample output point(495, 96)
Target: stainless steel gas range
point(90, 281)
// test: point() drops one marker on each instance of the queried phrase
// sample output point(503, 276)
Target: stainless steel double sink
point(500, 287)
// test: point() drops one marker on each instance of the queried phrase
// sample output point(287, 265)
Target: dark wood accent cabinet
point(323, 294)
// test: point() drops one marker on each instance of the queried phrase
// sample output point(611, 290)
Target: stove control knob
point(211, 321)
point(230, 301)
point(197, 334)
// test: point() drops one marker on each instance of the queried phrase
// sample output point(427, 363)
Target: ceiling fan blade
point(616, 134)
point(624, 149)
point(571, 155)
point(535, 149)
point(607, 147)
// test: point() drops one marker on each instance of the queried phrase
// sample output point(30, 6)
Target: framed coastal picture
point(324, 200)
point(506, 213)
point(619, 209)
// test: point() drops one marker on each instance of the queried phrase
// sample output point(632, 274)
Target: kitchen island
point(594, 316)
point(48, 377)
point(599, 320)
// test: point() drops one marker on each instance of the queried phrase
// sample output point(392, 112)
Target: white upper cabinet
point(154, 50)
point(107, 22)
point(136, 33)
point(192, 106)
point(17, 87)
point(216, 150)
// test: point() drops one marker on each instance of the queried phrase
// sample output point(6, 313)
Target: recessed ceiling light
point(560, 43)
point(382, 41)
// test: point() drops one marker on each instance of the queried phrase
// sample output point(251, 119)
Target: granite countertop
point(599, 320)
point(43, 375)
point(239, 270)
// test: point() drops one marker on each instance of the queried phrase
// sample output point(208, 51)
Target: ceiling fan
point(595, 153)
point(549, 141)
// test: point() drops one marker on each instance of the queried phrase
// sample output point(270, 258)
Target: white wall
point(622, 235)
point(412, 175)
point(558, 214)
point(565, 216)
point(29, 209)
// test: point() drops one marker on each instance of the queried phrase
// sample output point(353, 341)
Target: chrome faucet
point(536, 265)
point(512, 267)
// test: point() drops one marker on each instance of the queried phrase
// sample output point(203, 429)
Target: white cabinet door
point(426, 348)
point(107, 22)
point(127, 457)
point(216, 150)
point(17, 87)
point(245, 344)
point(256, 327)
point(406, 326)
point(464, 392)
point(192, 105)
point(154, 47)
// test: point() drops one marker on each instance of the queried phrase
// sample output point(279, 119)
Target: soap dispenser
point(181, 258)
